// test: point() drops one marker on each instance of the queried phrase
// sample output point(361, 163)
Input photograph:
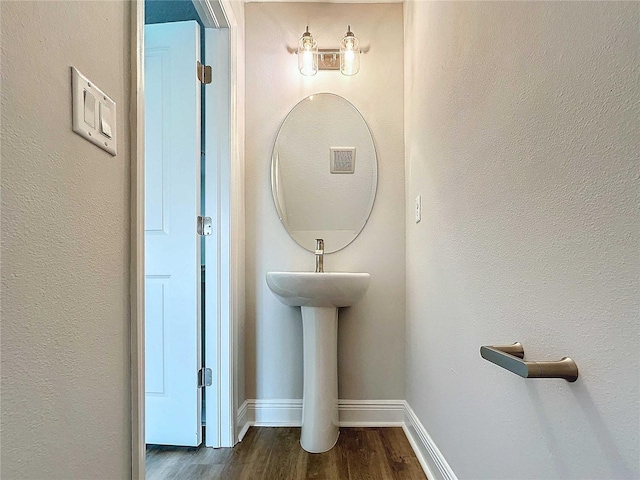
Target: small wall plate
point(343, 160)
point(94, 113)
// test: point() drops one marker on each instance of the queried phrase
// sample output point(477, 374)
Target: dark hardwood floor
point(275, 454)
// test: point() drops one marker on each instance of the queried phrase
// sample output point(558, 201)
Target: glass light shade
point(307, 54)
point(349, 54)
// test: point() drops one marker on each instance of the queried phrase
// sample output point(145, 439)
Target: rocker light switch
point(105, 120)
point(94, 113)
point(89, 109)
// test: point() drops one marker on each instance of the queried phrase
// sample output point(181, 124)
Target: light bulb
point(349, 54)
point(307, 54)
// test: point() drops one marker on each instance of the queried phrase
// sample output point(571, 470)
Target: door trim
point(217, 247)
point(235, 222)
point(136, 273)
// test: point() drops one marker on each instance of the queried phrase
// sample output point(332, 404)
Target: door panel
point(172, 246)
point(156, 291)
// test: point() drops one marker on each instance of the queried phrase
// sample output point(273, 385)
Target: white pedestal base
point(320, 396)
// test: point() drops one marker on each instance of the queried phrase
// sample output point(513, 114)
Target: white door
point(172, 246)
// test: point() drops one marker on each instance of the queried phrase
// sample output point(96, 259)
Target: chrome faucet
point(319, 255)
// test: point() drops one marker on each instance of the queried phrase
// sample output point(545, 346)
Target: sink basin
point(319, 295)
point(311, 289)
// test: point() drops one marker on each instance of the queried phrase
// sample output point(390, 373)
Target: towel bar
point(511, 358)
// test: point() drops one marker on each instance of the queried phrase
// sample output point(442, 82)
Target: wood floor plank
point(286, 460)
point(276, 454)
point(341, 455)
point(362, 458)
point(328, 465)
point(400, 456)
point(380, 455)
point(164, 461)
point(254, 459)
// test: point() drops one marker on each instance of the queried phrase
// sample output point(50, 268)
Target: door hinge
point(205, 377)
point(205, 226)
point(205, 74)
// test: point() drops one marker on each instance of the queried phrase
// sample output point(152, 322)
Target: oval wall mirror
point(324, 172)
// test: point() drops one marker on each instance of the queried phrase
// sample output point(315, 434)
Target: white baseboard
point(275, 413)
point(433, 462)
point(242, 422)
point(371, 413)
point(353, 413)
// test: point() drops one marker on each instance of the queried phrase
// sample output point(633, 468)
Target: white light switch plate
point(102, 131)
point(418, 208)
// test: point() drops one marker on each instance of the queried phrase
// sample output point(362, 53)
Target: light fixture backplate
point(328, 59)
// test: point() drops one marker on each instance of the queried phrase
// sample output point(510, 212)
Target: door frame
point(214, 14)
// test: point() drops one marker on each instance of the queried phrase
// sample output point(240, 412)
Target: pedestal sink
point(319, 295)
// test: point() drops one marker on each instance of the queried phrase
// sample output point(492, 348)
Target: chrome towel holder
point(511, 357)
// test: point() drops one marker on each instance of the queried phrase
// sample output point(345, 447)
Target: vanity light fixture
point(346, 58)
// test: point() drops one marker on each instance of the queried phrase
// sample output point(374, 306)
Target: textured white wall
point(371, 334)
point(521, 128)
point(65, 247)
